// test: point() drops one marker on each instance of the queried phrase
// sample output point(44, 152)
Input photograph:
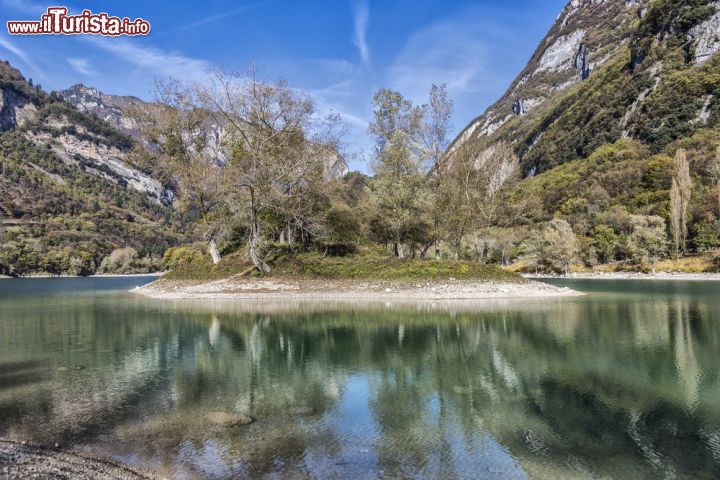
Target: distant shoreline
point(101, 275)
point(627, 276)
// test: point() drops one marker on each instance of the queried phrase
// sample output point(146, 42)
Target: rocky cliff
point(608, 70)
point(78, 140)
point(114, 110)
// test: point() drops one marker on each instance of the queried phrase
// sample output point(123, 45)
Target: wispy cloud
point(82, 66)
point(447, 52)
point(20, 53)
point(216, 17)
point(361, 19)
point(153, 60)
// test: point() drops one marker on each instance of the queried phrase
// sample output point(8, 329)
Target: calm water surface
point(622, 383)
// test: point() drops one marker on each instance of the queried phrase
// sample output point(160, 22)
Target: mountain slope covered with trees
point(69, 191)
point(614, 93)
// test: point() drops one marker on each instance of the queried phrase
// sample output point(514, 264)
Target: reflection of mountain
point(620, 389)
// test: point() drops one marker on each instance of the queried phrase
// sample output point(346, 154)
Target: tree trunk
point(254, 239)
point(212, 248)
point(437, 249)
point(400, 250)
point(476, 245)
point(289, 234)
point(424, 252)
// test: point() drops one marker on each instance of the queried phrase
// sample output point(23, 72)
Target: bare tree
point(680, 194)
point(436, 139)
point(277, 147)
point(176, 125)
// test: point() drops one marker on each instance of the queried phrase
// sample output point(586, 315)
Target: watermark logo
point(56, 21)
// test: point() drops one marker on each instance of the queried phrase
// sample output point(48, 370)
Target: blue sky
point(338, 51)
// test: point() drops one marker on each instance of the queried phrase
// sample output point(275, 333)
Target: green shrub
point(707, 237)
point(178, 256)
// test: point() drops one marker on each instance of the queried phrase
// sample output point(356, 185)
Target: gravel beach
point(21, 461)
point(243, 288)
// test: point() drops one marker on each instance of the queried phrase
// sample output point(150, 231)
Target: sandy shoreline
point(259, 289)
point(629, 276)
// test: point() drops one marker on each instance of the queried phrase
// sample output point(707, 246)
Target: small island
point(353, 277)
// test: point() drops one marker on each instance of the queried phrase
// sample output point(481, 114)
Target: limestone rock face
point(70, 136)
point(706, 37)
point(15, 109)
point(561, 54)
point(107, 107)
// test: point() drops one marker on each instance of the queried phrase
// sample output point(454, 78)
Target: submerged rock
point(302, 410)
point(227, 420)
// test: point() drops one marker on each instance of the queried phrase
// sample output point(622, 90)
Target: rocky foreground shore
point(21, 461)
point(243, 288)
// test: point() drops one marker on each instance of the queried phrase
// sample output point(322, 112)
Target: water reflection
point(611, 385)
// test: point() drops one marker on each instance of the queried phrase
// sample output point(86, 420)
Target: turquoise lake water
point(621, 383)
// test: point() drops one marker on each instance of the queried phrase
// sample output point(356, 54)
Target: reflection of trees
point(573, 389)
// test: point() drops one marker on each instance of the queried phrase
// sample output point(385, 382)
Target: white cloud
point(361, 19)
point(82, 66)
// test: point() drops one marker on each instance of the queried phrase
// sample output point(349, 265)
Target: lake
point(621, 383)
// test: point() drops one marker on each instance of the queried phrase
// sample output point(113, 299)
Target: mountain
point(609, 70)
point(611, 94)
point(114, 110)
point(70, 191)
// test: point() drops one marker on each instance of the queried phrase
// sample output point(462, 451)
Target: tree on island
point(277, 147)
point(276, 150)
point(435, 134)
point(176, 125)
point(399, 190)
